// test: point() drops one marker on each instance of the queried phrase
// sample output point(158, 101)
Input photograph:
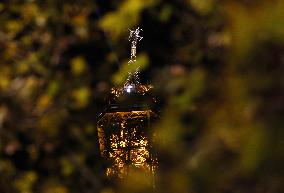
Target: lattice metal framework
point(124, 130)
point(125, 141)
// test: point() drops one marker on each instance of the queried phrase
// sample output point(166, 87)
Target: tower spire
point(134, 38)
point(133, 77)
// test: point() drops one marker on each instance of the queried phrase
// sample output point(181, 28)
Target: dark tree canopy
point(217, 69)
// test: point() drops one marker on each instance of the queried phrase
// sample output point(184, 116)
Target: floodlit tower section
point(125, 127)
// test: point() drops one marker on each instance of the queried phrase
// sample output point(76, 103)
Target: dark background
point(216, 67)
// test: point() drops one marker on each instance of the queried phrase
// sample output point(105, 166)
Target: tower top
point(134, 38)
point(133, 77)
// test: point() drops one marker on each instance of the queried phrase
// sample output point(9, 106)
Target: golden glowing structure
point(125, 129)
point(125, 141)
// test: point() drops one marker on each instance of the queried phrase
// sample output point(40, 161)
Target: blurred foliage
point(217, 67)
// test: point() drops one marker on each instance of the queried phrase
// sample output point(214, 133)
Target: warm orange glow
point(141, 89)
point(124, 140)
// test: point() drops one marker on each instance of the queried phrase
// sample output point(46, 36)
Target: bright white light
point(129, 88)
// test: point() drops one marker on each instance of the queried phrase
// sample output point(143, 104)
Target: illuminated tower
point(125, 129)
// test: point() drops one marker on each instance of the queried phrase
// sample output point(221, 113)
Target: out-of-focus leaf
point(67, 167)
point(78, 66)
point(81, 97)
point(55, 188)
point(24, 184)
point(165, 13)
point(142, 62)
point(53, 88)
point(202, 6)
point(254, 150)
point(255, 25)
point(13, 27)
point(125, 17)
